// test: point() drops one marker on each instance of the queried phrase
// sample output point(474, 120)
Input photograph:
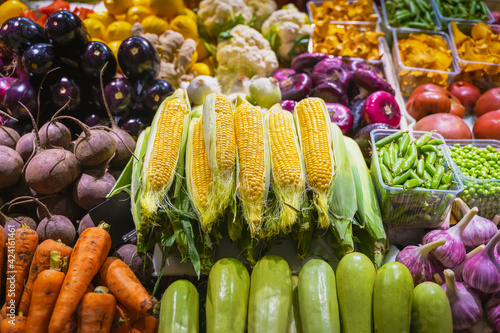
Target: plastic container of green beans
point(481, 193)
point(413, 207)
point(445, 19)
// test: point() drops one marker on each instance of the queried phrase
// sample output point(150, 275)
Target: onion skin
point(288, 105)
point(492, 309)
point(330, 92)
point(305, 62)
point(341, 116)
point(297, 87)
point(381, 107)
point(283, 74)
point(371, 81)
point(488, 126)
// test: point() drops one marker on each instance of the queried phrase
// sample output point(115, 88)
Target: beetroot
point(8, 137)
point(16, 222)
point(60, 204)
point(11, 166)
point(55, 134)
point(92, 188)
point(26, 145)
point(140, 263)
point(85, 223)
point(94, 146)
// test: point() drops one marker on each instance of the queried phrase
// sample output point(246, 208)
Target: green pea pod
point(430, 169)
point(420, 167)
point(423, 139)
point(436, 179)
point(412, 149)
point(405, 143)
point(447, 177)
point(427, 176)
point(388, 139)
point(399, 180)
point(429, 149)
point(387, 159)
point(435, 142)
point(439, 161)
point(412, 183)
point(386, 174)
point(179, 312)
point(396, 168)
point(414, 175)
point(427, 184)
point(431, 158)
point(409, 161)
point(394, 152)
point(444, 187)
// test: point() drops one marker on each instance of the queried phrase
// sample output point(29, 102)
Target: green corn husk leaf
point(320, 197)
point(152, 200)
point(368, 214)
point(342, 198)
point(373, 249)
point(124, 180)
point(285, 209)
point(251, 212)
point(223, 188)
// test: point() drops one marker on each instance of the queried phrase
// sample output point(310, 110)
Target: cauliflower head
point(261, 9)
point(216, 15)
point(287, 29)
point(245, 54)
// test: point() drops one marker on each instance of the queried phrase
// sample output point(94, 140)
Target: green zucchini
point(319, 309)
point(179, 312)
point(392, 298)
point(270, 296)
point(227, 297)
point(431, 312)
point(355, 279)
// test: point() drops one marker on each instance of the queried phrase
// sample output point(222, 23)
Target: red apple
point(448, 125)
point(488, 126)
point(489, 101)
point(466, 93)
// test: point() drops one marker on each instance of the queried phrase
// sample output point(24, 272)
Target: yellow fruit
point(166, 8)
point(194, 59)
point(98, 40)
point(199, 68)
point(154, 25)
point(210, 62)
point(114, 46)
point(144, 3)
point(103, 16)
point(188, 12)
point(11, 8)
point(203, 52)
point(117, 7)
point(119, 30)
point(185, 26)
point(137, 14)
point(96, 28)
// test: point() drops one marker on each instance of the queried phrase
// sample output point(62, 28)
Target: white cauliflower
point(261, 9)
point(246, 53)
point(284, 28)
point(216, 15)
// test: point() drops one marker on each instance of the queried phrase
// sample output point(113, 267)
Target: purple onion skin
point(341, 116)
point(297, 87)
point(482, 271)
point(283, 74)
point(288, 105)
point(381, 107)
point(421, 268)
point(5, 83)
point(492, 309)
point(361, 64)
point(331, 69)
point(305, 62)
point(479, 231)
point(466, 310)
point(331, 92)
point(371, 81)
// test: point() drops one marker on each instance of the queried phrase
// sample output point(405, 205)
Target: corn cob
point(220, 145)
point(253, 163)
point(164, 153)
point(287, 171)
point(313, 127)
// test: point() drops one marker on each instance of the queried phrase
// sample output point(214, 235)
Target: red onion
point(283, 74)
point(288, 105)
point(493, 311)
point(5, 83)
point(340, 115)
point(465, 305)
point(381, 107)
point(453, 253)
point(416, 258)
point(482, 271)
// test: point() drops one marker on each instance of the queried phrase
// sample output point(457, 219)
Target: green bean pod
point(430, 169)
point(435, 142)
point(396, 168)
point(436, 179)
point(412, 183)
point(386, 174)
point(388, 139)
point(431, 158)
point(447, 177)
point(405, 143)
point(420, 167)
point(423, 139)
point(399, 180)
point(429, 149)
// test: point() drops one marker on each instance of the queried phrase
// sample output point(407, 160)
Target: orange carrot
point(46, 288)
point(89, 253)
point(72, 324)
point(13, 325)
point(97, 310)
point(145, 324)
point(41, 261)
point(3, 239)
point(124, 319)
point(25, 243)
point(124, 285)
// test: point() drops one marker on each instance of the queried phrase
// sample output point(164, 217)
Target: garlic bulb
point(415, 258)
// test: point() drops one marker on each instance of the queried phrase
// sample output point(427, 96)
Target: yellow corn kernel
point(315, 143)
point(200, 171)
point(250, 142)
point(225, 137)
point(285, 159)
point(167, 142)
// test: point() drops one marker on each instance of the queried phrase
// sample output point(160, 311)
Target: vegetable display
point(411, 14)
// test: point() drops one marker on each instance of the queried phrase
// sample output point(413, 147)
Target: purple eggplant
point(340, 115)
point(297, 87)
point(331, 92)
point(288, 105)
point(361, 64)
point(305, 62)
point(283, 74)
point(363, 138)
point(381, 107)
point(357, 116)
point(371, 82)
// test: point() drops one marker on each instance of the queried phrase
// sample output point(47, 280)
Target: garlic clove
point(416, 259)
point(492, 309)
point(479, 231)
